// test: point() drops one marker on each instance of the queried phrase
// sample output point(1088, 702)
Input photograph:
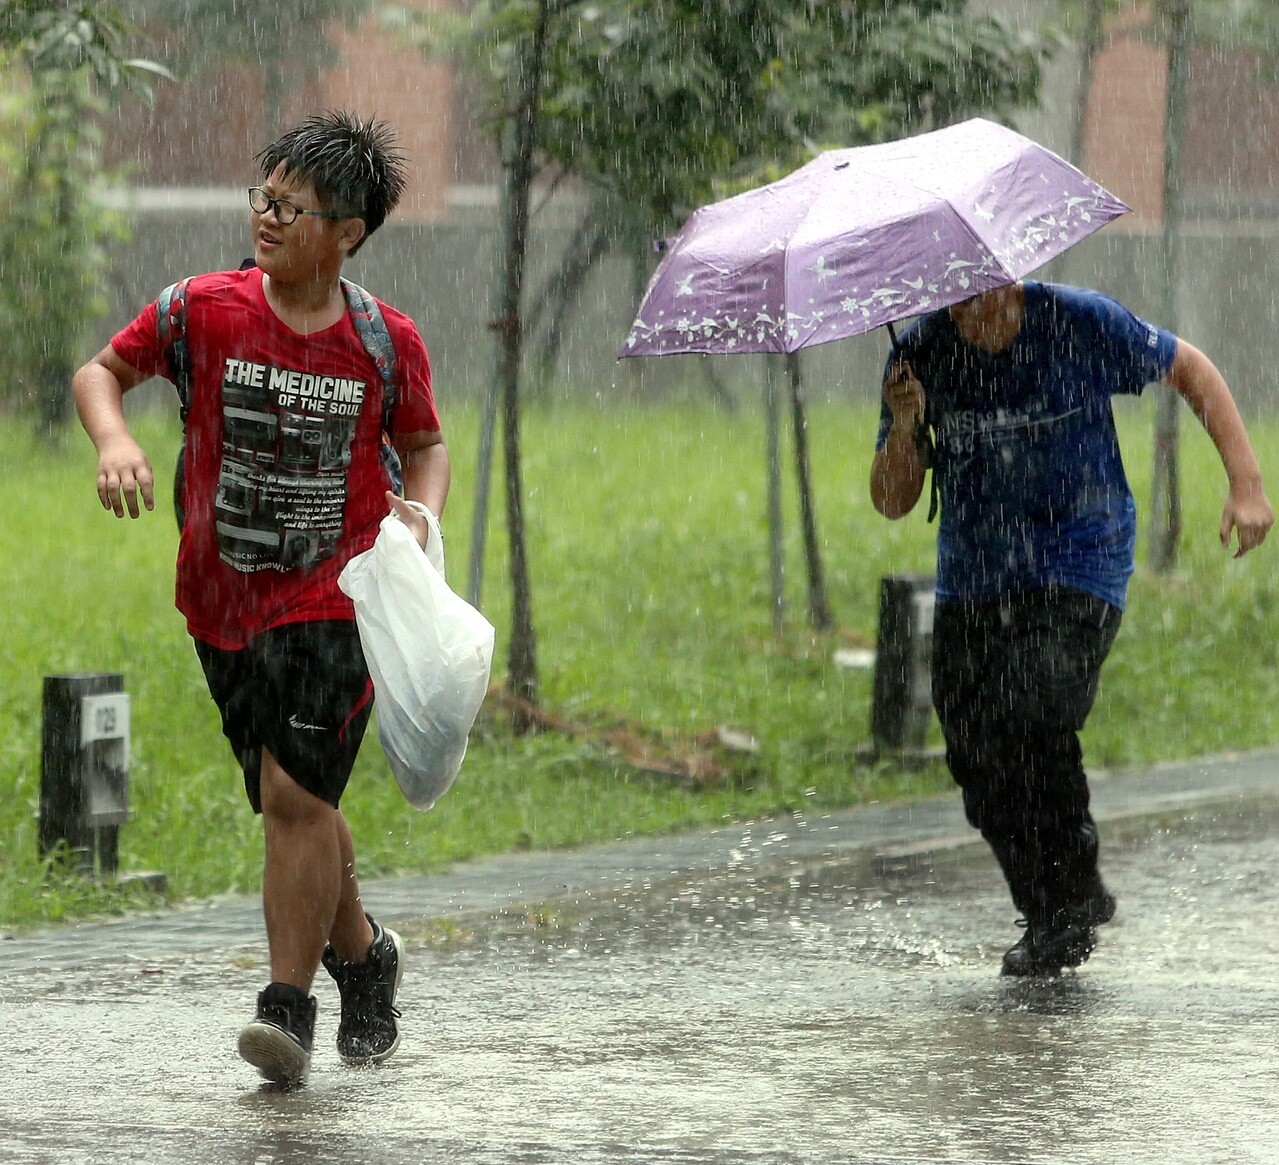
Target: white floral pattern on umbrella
point(862, 237)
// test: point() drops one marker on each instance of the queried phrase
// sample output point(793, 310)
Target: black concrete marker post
point(84, 768)
point(902, 702)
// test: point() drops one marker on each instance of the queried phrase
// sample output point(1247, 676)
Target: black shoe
point(1100, 905)
point(278, 1041)
point(1065, 940)
point(368, 1032)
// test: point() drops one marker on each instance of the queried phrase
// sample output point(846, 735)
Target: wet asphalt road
point(790, 1002)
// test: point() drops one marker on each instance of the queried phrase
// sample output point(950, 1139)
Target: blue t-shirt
point(1028, 470)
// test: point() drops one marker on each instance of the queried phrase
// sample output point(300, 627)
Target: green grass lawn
point(651, 600)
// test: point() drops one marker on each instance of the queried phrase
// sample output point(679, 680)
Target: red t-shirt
point(285, 480)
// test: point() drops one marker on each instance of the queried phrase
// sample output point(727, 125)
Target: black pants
point(1013, 682)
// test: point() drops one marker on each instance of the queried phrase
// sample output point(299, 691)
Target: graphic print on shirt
point(286, 448)
point(1007, 465)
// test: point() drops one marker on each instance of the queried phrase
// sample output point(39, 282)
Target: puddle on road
point(825, 1012)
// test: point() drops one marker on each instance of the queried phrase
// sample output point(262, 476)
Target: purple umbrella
point(862, 237)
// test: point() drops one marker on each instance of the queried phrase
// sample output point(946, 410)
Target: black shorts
point(303, 692)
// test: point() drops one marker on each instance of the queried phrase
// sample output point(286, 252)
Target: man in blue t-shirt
point(1034, 552)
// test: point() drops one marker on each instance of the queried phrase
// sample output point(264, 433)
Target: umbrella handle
point(924, 446)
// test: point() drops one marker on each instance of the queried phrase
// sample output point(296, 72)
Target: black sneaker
point(1100, 904)
point(278, 1041)
point(368, 1033)
point(1065, 941)
point(1046, 948)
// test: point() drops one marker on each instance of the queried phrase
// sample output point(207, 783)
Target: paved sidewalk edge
point(516, 881)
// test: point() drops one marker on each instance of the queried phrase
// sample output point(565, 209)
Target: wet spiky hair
point(355, 166)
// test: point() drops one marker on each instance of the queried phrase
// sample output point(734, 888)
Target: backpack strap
point(926, 447)
point(171, 321)
point(370, 326)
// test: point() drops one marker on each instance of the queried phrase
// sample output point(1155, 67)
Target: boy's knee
point(284, 800)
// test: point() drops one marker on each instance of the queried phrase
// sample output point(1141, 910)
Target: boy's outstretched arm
point(124, 472)
point(424, 459)
point(1204, 389)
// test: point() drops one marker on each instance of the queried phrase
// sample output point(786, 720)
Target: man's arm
point(897, 474)
point(123, 469)
point(424, 458)
point(1204, 389)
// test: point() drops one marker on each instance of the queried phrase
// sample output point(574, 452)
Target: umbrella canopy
point(862, 237)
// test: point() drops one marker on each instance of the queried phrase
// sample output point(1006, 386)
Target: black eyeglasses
point(285, 212)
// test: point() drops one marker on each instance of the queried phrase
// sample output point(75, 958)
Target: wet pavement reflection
point(844, 1010)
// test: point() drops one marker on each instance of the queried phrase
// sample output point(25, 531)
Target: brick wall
point(204, 133)
point(1124, 133)
point(376, 75)
point(1230, 153)
point(1232, 136)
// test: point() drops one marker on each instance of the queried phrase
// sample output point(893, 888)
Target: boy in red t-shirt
point(285, 481)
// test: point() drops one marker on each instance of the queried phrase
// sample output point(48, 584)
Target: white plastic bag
point(429, 653)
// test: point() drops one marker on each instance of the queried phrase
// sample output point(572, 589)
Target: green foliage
point(664, 101)
point(653, 604)
point(658, 100)
point(663, 105)
point(53, 238)
point(73, 36)
point(61, 62)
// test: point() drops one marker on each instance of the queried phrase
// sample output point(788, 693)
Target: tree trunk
point(63, 282)
point(772, 424)
point(53, 380)
point(1090, 46)
point(1165, 496)
point(720, 393)
point(483, 482)
point(275, 89)
point(518, 162)
point(818, 608)
point(1091, 41)
point(637, 371)
point(589, 244)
